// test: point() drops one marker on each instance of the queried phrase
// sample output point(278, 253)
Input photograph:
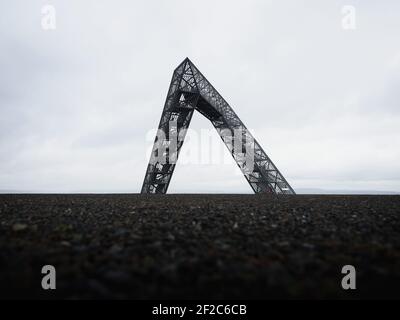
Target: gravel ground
point(199, 246)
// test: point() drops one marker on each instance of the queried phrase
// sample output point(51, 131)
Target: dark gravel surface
point(199, 246)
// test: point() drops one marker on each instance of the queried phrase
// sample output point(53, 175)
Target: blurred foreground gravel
point(199, 246)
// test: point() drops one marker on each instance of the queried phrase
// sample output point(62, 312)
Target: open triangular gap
point(222, 175)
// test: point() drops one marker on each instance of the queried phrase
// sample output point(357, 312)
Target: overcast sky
point(77, 102)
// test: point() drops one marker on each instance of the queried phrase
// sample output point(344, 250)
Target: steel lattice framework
point(190, 90)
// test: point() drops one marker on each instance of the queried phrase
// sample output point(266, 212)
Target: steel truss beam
point(190, 90)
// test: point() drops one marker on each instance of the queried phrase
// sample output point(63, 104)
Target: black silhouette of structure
point(190, 90)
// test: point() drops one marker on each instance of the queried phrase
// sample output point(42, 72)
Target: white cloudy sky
point(77, 102)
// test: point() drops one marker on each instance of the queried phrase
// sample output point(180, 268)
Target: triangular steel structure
point(190, 90)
